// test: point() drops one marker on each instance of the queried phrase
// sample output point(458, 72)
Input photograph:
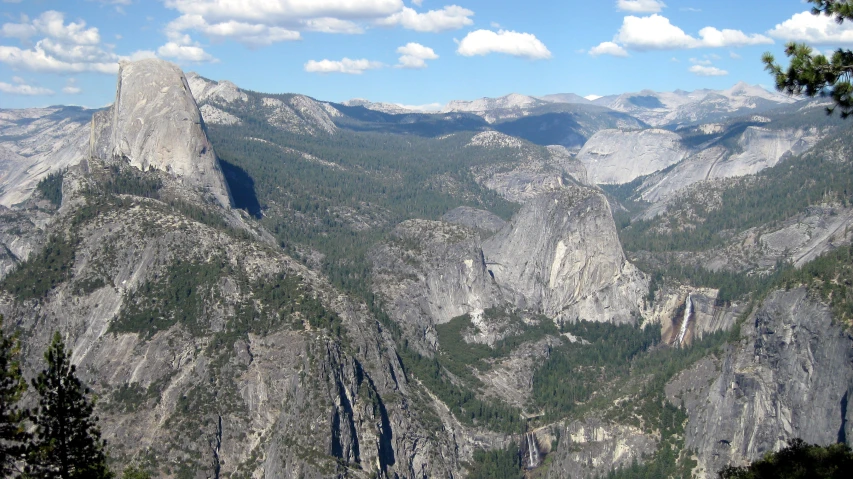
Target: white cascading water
point(688, 310)
point(532, 449)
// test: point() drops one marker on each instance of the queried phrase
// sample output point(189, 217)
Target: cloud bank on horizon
point(43, 52)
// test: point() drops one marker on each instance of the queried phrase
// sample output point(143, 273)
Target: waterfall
point(532, 450)
point(688, 310)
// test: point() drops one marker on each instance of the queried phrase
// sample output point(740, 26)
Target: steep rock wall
point(561, 255)
point(790, 376)
point(617, 157)
point(155, 123)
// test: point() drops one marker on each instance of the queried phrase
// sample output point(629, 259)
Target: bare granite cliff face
point(431, 272)
point(35, 142)
point(790, 375)
point(155, 123)
point(223, 103)
point(593, 446)
point(756, 148)
point(474, 218)
point(528, 170)
point(617, 157)
point(561, 256)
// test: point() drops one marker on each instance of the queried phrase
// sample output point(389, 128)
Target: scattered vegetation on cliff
point(798, 460)
point(50, 187)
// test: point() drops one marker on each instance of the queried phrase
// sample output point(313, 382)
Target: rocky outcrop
point(36, 142)
point(234, 377)
point(561, 256)
point(617, 157)
point(205, 90)
point(530, 171)
point(474, 218)
point(155, 123)
point(759, 250)
point(429, 273)
point(215, 116)
point(687, 313)
point(591, 447)
point(757, 148)
point(680, 107)
point(789, 376)
point(507, 107)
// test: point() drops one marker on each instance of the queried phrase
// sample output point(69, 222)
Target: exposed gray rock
point(511, 379)
point(758, 250)
point(215, 116)
point(299, 114)
point(592, 447)
point(700, 106)
point(507, 107)
point(617, 157)
point(474, 218)
point(532, 171)
point(205, 90)
point(288, 402)
point(687, 313)
point(36, 142)
point(757, 148)
point(790, 376)
point(561, 256)
point(429, 273)
point(155, 123)
point(568, 163)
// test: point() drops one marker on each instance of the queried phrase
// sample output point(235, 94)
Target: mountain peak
point(155, 123)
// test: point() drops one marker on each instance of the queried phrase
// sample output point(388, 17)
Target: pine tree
point(68, 442)
point(814, 75)
point(13, 436)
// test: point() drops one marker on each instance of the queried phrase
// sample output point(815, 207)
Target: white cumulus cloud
point(352, 67)
point(640, 6)
point(71, 87)
point(813, 29)
point(707, 71)
point(263, 22)
point(415, 55)
point(484, 42)
point(608, 48)
point(185, 53)
point(65, 47)
point(697, 61)
point(252, 34)
point(448, 18)
point(280, 11)
point(332, 25)
point(21, 88)
point(52, 24)
point(38, 60)
point(655, 32)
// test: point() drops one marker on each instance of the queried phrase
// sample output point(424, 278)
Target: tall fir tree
point(13, 435)
point(67, 443)
point(813, 74)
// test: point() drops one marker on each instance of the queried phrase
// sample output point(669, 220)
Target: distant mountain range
point(661, 109)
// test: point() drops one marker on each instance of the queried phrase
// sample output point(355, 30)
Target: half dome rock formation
point(155, 123)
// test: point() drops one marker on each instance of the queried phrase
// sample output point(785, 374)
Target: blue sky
point(412, 52)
